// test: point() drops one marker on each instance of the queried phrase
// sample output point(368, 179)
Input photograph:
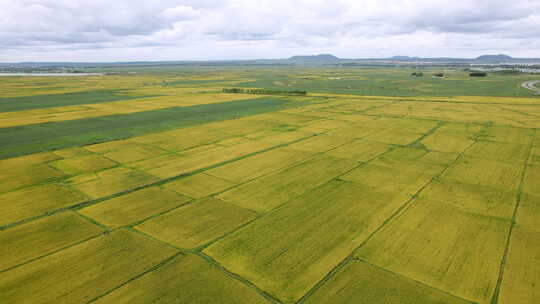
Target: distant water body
point(48, 74)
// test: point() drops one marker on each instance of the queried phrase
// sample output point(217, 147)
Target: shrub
point(478, 74)
point(263, 91)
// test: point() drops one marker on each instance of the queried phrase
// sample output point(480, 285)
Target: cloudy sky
point(129, 30)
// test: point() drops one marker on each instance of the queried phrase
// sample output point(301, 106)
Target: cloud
point(221, 29)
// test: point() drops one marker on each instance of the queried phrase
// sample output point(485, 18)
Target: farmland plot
point(529, 208)
point(474, 198)
point(412, 159)
point(451, 138)
point(359, 150)
point(26, 242)
point(83, 164)
point(102, 263)
point(329, 223)
point(486, 173)
point(110, 181)
point(196, 224)
point(135, 153)
point(177, 192)
point(321, 143)
point(522, 273)
point(270, 191)
point(360, 283)
point(133, 207)
point(199, 185)
point(403, 182)
point(509, 152)
point(257, 165)
point(442, 246)
point(36, 201)
point(19, 175)
point(202, 160)
point(185, 279)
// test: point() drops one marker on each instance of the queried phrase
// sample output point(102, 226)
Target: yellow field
point(412, 158)
point(394, 137)
point(185, 194)
point(183, 139)
point(285, 118)
point(486, 173)
point(274, 189)
point(535, 154)
point(134, 153)
point(485, 200)
point(529, 210)
point(133, 207)
point(354, 131)
point(36, 201)
point(199, 185)
point(451, 138)
point(442, 246)
point(29, 241)
point(102, 263)
point(83, 164)
point(197, 224)
point(509, 135)
point(22, 175)
point(242, 126)
point(509, 152)
point(399, 181)
point(458, 112)
point(72, 152)
point(258, 165)
point(361, 283)
point(321, 143)
point(185, 279)
point(110, 181)
point(324, 125)
point(277, 138)
point(293, 247)
point(205, 159)
point(521, 272)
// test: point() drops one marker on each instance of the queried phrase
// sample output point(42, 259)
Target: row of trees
point(440, 75)
point(263, 91)
point(420, 74)
point(478, 74)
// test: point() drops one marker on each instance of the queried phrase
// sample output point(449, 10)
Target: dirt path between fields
point(530, 85)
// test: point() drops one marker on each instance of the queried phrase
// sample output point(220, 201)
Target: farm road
point(530, 85)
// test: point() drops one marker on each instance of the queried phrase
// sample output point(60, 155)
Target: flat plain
point(155, 186)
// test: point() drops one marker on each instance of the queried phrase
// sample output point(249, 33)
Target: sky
point(153, 30)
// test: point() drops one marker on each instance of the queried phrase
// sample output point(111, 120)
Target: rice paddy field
point(151, 185)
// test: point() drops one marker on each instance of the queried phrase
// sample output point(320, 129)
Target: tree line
point(263, 91)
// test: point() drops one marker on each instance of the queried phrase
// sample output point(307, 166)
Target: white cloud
point(204, 29)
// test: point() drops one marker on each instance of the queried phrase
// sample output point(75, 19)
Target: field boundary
point(410, 279)
point(207, 258)
point(90, 202)
point(397, 213)
point(155, 267)
point(519, 196)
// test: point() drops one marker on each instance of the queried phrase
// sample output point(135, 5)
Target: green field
point(152, 185)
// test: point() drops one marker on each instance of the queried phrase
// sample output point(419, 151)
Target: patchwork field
point(157, 187)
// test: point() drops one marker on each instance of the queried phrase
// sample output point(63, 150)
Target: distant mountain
point(403, 58)
point(495, 58)
point(484, 59)
point(315, 58)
